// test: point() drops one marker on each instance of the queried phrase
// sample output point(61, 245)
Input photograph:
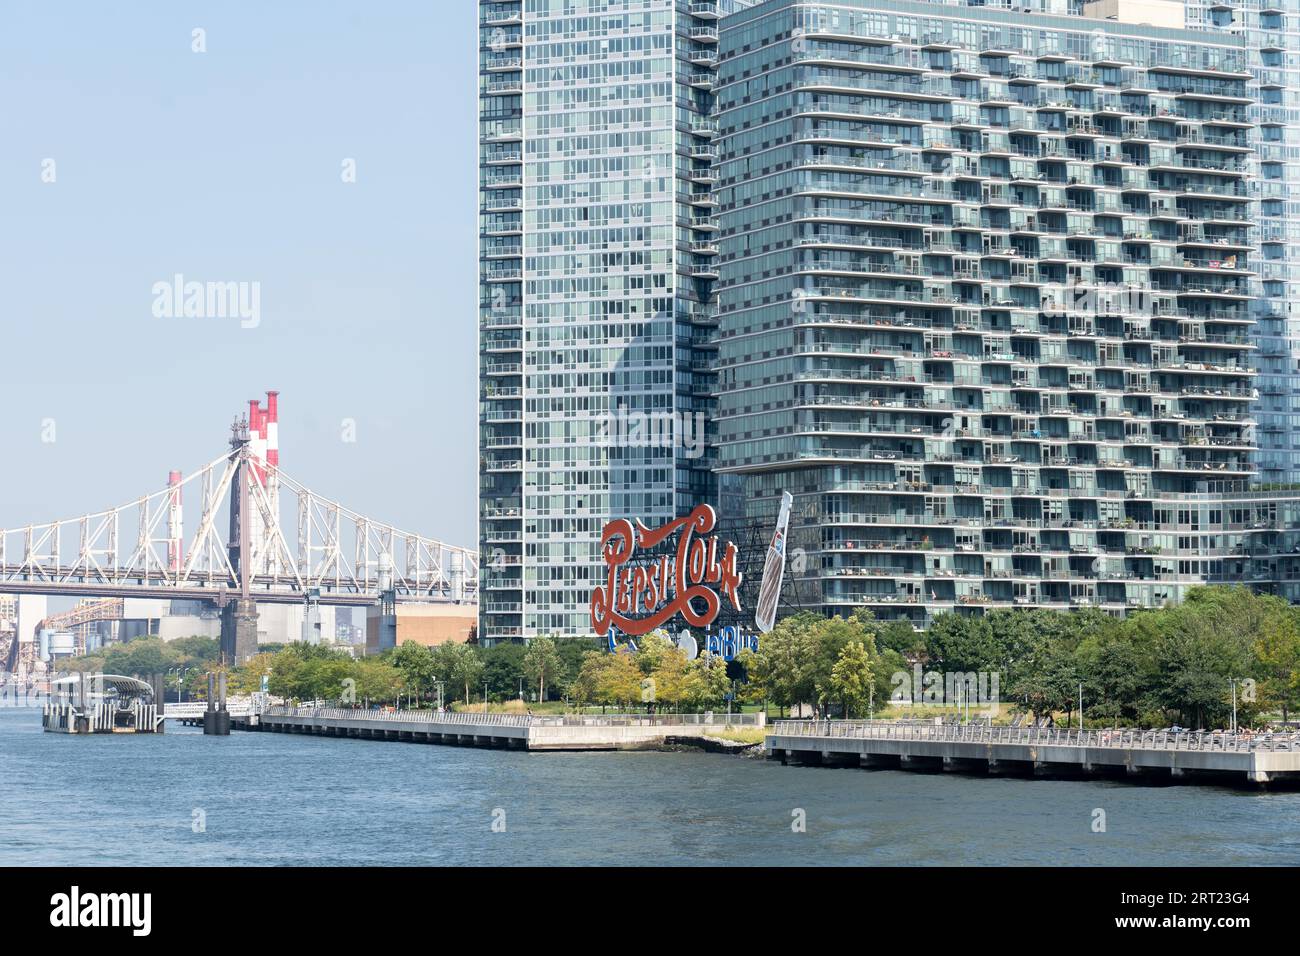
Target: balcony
point(702, 57)
point(703, 128)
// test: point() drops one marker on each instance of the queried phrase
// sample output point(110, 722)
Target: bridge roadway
point(518, 731)
point(982, 748)
point(264, 589)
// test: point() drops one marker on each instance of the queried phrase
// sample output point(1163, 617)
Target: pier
point(190, 713)
point(1140, 755)
point(514, 731)
point(101, 704)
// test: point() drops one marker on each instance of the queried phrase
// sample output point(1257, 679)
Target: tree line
point(1175, 664)
point(657, 675)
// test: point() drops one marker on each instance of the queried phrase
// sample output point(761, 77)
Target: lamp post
point(1232, 682)
point(1080, 706)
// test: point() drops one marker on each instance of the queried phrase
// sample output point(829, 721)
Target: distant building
point(427, 624)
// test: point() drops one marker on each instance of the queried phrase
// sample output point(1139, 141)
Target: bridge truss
point(246, 544)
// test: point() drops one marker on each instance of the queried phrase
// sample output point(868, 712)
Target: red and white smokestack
point(273, 428)
point(175, 533)
point(257, 438)
point(271, 440)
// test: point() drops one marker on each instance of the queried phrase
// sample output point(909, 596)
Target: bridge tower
point(239, 615)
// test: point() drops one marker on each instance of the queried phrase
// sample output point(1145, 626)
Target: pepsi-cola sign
point(692, 581)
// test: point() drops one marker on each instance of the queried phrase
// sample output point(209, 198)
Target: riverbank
point(508, 731)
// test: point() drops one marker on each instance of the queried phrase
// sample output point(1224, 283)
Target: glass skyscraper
point(1001, 294)
point(598, 257)
point(1271, 31)
point(985, 303)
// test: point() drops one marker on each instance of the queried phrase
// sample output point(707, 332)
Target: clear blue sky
point(225, 166)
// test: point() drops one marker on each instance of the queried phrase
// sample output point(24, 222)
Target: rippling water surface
point(273, 799)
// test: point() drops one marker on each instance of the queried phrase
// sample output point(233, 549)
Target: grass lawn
point(1002, 713)
point(514, 707)
point(744, 735)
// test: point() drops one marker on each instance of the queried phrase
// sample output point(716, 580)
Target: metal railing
point(707, 719)
point(426, 716)
point(192, 710)
point(1039, 736)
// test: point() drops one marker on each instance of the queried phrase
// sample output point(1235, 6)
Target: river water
point(278, 799)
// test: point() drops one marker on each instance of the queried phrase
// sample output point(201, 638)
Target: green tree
point(193, 651)
point(851, 679)
point(663, 666)
point(415, 663)
point(961, 643)
point(584, 687)
point(503, 668)
point(1117, 667)
point(1277, 651)
point(670, 677)
point(332, 678)
point(901, 637)
point(244, 679)
point(459, 665)
point(650, 650)
point(139, 658)
point(615, 679)
point(888, 664)
point(782, 668)
point(288, 676)
point(376, 680)
point(308, 672)
point(542, 663)
point(87, 664)
point(830, 637)
point(572, 651)
point(1048, 682)
point(705, 683)
point(1197, 656)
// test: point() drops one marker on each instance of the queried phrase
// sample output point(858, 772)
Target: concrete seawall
point(522, 732)
point(1051, 752)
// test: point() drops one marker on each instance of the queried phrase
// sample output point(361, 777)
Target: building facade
point(1002, 294)
point(986, 303)
point(598, 257)
point(1271, 32)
